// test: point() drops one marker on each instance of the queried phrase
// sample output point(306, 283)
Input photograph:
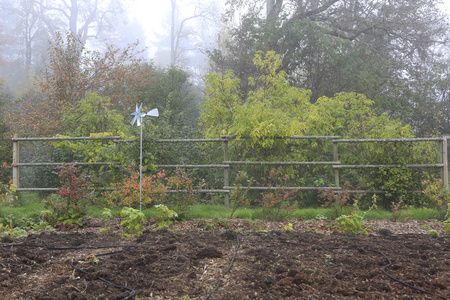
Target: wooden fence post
point(443, 159)
point(336, 159)
point(16, 160)
point(226, 179)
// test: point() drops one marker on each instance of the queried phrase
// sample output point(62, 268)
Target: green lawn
point(30, 205)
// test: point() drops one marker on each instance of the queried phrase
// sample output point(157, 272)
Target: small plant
point(166, 217)
point(320, 217)
point(433, 232)
point(288, 227)
point(8, 221)
point(238, 196)
point(399, 211)
point(277, 203)
point(351, 224)
point(7, 199)
point(447, 222)
point(106, 217)
point(328, 260)
point(133, 221)
point(339, 201)
point(438, 196)
point(214, 224)
point(166, 213)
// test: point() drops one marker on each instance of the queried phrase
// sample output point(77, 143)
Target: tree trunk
point(273, 8)
point(173, 55)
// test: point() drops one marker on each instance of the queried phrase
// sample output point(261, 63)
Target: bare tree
point(86, 18)
point(180, 29)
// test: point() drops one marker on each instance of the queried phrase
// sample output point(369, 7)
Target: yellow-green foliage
point(438, 197)
point(222, 101)
point(275, 108)
point(93, 117)
point(93, 114)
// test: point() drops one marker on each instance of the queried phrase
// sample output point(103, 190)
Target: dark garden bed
point(229, 259)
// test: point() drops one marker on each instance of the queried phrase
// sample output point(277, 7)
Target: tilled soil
point(207, 259)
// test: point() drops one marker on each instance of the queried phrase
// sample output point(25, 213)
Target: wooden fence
point(226, 163)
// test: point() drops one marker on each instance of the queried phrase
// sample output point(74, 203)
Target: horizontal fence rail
point(387, 166)
point(62, 163)
point(226, 163)
point(36, 139)
point(281, 163)
point(442, 156)
point(194, 166)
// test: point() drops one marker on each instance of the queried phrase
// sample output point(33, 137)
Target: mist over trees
point(31, 24)
point(392, 52)
point(189, 33)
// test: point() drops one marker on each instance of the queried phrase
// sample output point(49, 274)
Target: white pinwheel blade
point(153, 113)
point(137, 115)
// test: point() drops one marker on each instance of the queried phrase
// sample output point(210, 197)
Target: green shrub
point(438, 196)
point(351, 224)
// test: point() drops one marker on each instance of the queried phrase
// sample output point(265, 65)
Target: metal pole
point(140, 172)
point(226, 180)
point(444, 162)
point(336, 159)
point(16, 160)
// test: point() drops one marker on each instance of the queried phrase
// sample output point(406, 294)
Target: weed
point(328, 260)
point(399, 211)
point(288, 227)
point(254, 225)
point(106, 217)
point(320, 217)
point(214, 224)
point(433, 232)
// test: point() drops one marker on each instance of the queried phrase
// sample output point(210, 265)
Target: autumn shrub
point(184, 193)
point(128, 191)
point(69, 206)
point(238, 195)
point(277, 203)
